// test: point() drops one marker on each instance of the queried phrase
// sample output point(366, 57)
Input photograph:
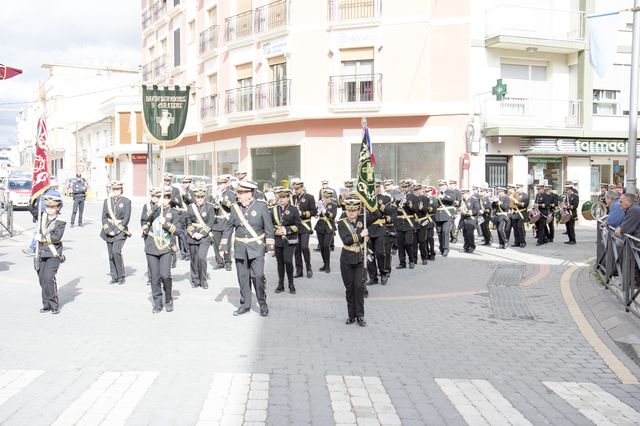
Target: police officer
point(352, 233)
point(286, 220)
point(49, 240)
point(421, 206)
point(116, 212)
point(519, 216)
point(468, 215)
point(445, 215)
point(326, 228)
point(79, 192)
point(501, 210)
point(199, 217)
point(306, 205)
point(573, 200)
point(254, 233)
point(146, 219)
point(405, 228)
point(553, 201)
point(224, 198)
point(160, 243)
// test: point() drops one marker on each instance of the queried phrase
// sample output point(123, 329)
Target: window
point(357, 74)
point(200, 165)
point(275, 165)
point(278, 93)
point(525, 81)
point(176, 48)
point(423, 161)
point(175, 165)
point(213, 16)
point(606, 102)
point(245, 91)
point(192, 31)
point(227, 161)
point(213, 84)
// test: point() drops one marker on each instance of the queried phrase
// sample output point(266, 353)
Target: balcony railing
point(355, 88)
point(158, 9)
point(553, 24)
point(272, 16)
point(273, 94)
point(353, 10)
point(209, 106)
point(238, 26)
point(533, 113)
point(209, 39)
point(146, 19)
point(155, 68)
point(239, 100)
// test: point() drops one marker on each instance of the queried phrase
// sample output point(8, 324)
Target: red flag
point(8, 72)
point(41, 179)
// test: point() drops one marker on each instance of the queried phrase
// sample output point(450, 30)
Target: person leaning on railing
point(616, 214)
point(631, 223)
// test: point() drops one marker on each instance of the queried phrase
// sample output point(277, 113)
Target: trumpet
point(514, 199)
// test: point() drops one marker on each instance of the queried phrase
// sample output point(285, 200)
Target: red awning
point(8, 72)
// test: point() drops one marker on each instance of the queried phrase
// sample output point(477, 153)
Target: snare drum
point(534, 215)
point(565, 215)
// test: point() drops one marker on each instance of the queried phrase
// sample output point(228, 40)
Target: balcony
point(209, 40)
point(272, 17)
point(532, 113)
point(527, 28)
point(355, 92)
point(156, 69)
point(239, 100)
point(209, 107)
point(146, 19)
point(238, 27)
point(348, 13)
point(156, 11)
point(273, 96)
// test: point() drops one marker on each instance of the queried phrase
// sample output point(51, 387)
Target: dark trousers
point(502, 234)
point(47, 277)
point(551, 230)
point(78, 204)
point(182, 240)
point(484, 228)
point(251, 270)
point(571, 229)
point(404, 241)
point(217, 236)
point(507, 230)
point(324, 242)
point(160, 267)
point(116, 263)
point(469, 233)
point(518, 229)
point(541, 229)
point(302, 249)
point(429, 238)
point(389, 241)
point(376, 247)
point(284, 256)
point(443, 229)
point(198, 263)
point(419, 242)
point(354, 288)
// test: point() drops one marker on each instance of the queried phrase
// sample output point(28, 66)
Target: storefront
point(275, 165)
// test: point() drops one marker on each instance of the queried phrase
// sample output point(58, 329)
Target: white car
point(17, 189)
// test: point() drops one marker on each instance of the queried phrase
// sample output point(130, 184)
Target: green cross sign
point(500, 90)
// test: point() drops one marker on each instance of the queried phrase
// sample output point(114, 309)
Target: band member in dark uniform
point(182, 205)
point(468, 214)
point(146, 219)
point(445, 215)
point(116, 212)
point(286, 220)
point(429, 224)
point(159, 245)
point(224, 198)
point(420, 204)
point(176, 203)
point(79, 192)
point(50, 256)
point(501, 210)
point(326, 227)
point(306, 205)
point(390, 213)
point(199, 217)
point(405, 228)
point(485, 214)
point(254, 233)
point(457, 202)
point(242, 176)
point(573, 200)
point(519, 216)
point(553, 201)
point(352, 233)
point(542, 203)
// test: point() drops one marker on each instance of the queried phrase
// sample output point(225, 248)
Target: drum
point(550, 218)
point(598, 210)
point(565, 215)
point(534, 215)
point(586, 210)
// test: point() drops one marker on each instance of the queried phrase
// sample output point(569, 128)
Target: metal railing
point(355, 88)
point(155, 68)
point(551, 24)
point(209, 106)
point(158, 9)
point(273, 94)
point(6, 215)
point(239, 100)
point(146, 19)
point(272, 16)
point(533, 112)
point(238, 26)
point(209, 39)
point(618, 263)
point(353, 10)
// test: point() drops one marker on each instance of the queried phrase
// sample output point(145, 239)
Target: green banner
point(366, 187)
point(165, 113)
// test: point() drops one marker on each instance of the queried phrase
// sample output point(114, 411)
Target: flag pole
point(363, 123)
point(633, 102)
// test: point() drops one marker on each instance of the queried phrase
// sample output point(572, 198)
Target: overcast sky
point(35, 32)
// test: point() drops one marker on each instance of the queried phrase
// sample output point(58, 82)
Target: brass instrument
point(514, 199)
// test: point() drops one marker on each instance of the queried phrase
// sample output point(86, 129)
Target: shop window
point(545, 171)
point(275, 165)
point(618, 173)
point(174, 165)
point(227, 162)
point(200, 167)
point(423, 161)
point(606, 102)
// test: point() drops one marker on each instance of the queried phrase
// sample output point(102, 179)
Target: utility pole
point(633, 102)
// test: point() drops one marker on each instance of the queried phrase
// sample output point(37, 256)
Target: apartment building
point(558, 120)
point(280, 87)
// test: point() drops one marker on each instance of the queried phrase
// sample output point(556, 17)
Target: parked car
point(17, 189)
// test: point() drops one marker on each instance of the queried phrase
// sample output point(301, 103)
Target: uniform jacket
point(473, 208)
point(326, 221)
point(422, 209)
point(207, 214)
point(227, 199)
point(542, 200)
point(445, 209)
point(572, 204)
point(405, 221)
point(145, 217)
point(501, 208)
point(121, 208)
point(289, 218)
point(51, 234)
point(306, 204)
point(390, 213)
point(79, 189)
point(160, 238)
point(553, 202)
point(520, 211)
point(352, 250)
point(485, 205)
point(246, 245)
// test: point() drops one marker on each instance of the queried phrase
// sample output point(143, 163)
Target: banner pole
point(39, 227)
point(363, 122)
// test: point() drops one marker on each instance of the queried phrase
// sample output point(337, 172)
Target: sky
point(35, 32)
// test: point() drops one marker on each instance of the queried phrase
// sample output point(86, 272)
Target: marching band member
point(519, 216)
point(390, 213)
point(485, 214)
point(306, 204)
point(116, 212)
point(377, 238)
point(445, 215)
point(501, 210)
point(420, 204)
point(573, 200)
point(405, 229)
point(199, 219)
point(224, 198)
point(429, 223)
point(286, 220)
point(542, 203)
point(145, 219)
point(553, 205)
point(49, 239)
point(457, 202)
point(468, 214)
point(182, 203)
point(325, 227)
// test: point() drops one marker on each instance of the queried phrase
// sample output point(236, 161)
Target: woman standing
point(116, 212)
point(50, 253)
point(287, 223)
point(146, 217)
point(326, 227)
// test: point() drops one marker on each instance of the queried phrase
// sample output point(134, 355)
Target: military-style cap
point(442, 182)
point(548, 187)
point(168, 176)
point(240, 172)
point(352, 204)
point(155, 191)
point(464, 190)
point(167, 190)
point(388, 181)
point(417, 187)
point(453, 181)
point(539, 186)
point(282, 192)
point(327, 193)
point(510, 185)
point(200, 191)
point(187, 179)
point(52, 201)
point(475, 187)
point(405, 182)
point(348, 183)
point(224, 178)
point(323, 181)
point(604, 185)
point(116, 184)
point(246, 186)
point(427, 187)
point(501, 188)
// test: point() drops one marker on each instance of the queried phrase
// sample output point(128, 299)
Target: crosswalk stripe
point(479, 403)
point(110, 399)
point(236, 399)
point(13, 381)
point(594, 403)
point(361, 400)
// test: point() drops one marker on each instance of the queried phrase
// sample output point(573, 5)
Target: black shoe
point(156, 309)
point(55, 311)
point(80, 225)
point(412, 265)
point(218, 266)
point(44, 310)
point(121, 281)
point(168, 307)
point(205, 286)
point(471, 250)
point(372, 282)
point(564, 233)
point(240, 311)
point(280, 288)
point(454, 240)
point(570, 242)
point(445, 253)
point(401, 266)
point(432, 257)
point(550, 241)
point(316, 249)
point(515, 245)
point(113, 282)
point(227, 266)
point(384, 279)
point(332, 248)
point(486, 244)
point(321, 269)
point(264, 310)
point(539, 244)
point(394, 252)
point(327, 270)
point(424, 261)
point(361, 322)
point(502, 247)
point(298, 275)
point(149, 282)
point(523, 245)
point(292, 289)
point(193, 285)
point(72, 225)
point(309, 273)
point(350, 321)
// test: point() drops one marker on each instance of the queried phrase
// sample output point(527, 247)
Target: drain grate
point(507, 299)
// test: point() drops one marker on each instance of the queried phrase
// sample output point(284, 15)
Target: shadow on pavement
point(4, 266)
point(233, 296)
point(68, 292)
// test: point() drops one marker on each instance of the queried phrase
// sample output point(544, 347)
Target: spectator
point(616, 214)
point(631, 222)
